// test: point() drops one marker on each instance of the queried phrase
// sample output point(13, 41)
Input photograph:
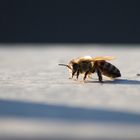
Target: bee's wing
point(104, 58)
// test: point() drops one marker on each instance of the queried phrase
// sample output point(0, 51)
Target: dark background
point(70, 21)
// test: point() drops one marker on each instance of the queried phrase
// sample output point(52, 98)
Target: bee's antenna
point(65, 65)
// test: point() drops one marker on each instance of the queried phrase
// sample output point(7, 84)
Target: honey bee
point(88, 65)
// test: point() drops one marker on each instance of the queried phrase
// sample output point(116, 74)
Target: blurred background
point(80, 21)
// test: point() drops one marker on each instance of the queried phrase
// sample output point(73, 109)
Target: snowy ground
point(39, 101)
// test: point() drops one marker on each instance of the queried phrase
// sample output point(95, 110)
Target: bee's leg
point(73, 73)
point(94, 68)
point(77, 75)
point(99, 75)
point(85, 76)
point(75, 69)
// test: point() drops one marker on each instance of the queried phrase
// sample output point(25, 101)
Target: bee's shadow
point(118, 81)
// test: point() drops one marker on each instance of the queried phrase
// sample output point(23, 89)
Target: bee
point(88, 65)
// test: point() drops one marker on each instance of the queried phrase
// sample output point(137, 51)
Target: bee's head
point(74, 66)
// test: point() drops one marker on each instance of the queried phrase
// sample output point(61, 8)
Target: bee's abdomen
point(109, 70)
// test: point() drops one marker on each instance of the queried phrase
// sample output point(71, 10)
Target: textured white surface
point(37, 100)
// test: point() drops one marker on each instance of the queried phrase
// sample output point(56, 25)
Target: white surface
point(37, 100)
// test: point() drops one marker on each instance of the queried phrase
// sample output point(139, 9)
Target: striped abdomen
point(108, 69)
